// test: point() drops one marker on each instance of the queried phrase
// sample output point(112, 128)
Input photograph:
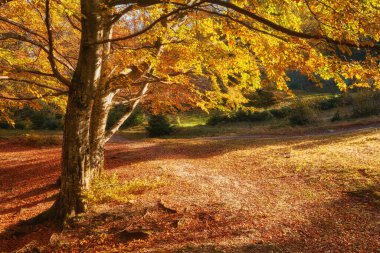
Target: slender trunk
point(101, 108)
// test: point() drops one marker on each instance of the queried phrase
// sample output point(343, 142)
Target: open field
point(311, 194)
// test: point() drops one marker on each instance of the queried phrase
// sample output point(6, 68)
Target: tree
point(88, 55)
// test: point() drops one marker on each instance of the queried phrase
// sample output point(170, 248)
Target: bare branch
point(15, 36)
point(128, 101)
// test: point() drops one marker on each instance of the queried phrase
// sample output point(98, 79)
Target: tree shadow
point(24, 232)
point(19, 235)
point(345, 224)
point(247, 248)
point(28, 172)
point(118, 154)
point(27, 180)
point(32, 193)
point(327, 227)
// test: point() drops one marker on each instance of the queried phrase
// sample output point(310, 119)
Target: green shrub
point(5, 125)
point(159, 125)
point(240, 116)
point(302, 113)
point(281, 113)
point(24, 124)
point(336, 117)
point(45, 119)
point(365, 103)
point(218, 119)
point(329, 103)
point(29, 118)
point(260, 116)
point(136, 119)
point(262, 99)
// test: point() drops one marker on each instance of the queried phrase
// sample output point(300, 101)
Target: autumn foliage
point(90, 55)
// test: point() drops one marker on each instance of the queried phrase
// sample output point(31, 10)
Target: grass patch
point(41, 140)
point(17, 133)
point(189, 119)
point(34, 138)
point(109, 188)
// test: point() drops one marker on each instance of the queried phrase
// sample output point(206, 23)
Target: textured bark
point(101, 108)
point(86, 115)
point(76, 169)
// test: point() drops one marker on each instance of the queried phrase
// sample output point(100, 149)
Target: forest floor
point(313, 193)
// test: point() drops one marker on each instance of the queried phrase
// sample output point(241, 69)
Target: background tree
point(89, 55)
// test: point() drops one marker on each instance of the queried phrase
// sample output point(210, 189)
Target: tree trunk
point(101, 108)
point(76, 168)
point(100, 112)
point(86, 115)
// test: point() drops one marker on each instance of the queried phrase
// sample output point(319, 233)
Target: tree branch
point(121, 121)
point(152, 25)
point(151, 46)
point(15, 36)
point(22, 27)
point(288, 31)
point(144, 3)
point(51, 57)
point(32, 71)
point(119, 15)
point(6, 78)
point(73, 24)
point(33, 98)
point(242, 23)
point(124, 102)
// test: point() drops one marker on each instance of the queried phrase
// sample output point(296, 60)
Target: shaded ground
point(312, 194)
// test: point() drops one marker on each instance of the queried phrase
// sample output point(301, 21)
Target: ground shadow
point(353, 218)
point(30, 237)
point(126, 154)
point(346, 224)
